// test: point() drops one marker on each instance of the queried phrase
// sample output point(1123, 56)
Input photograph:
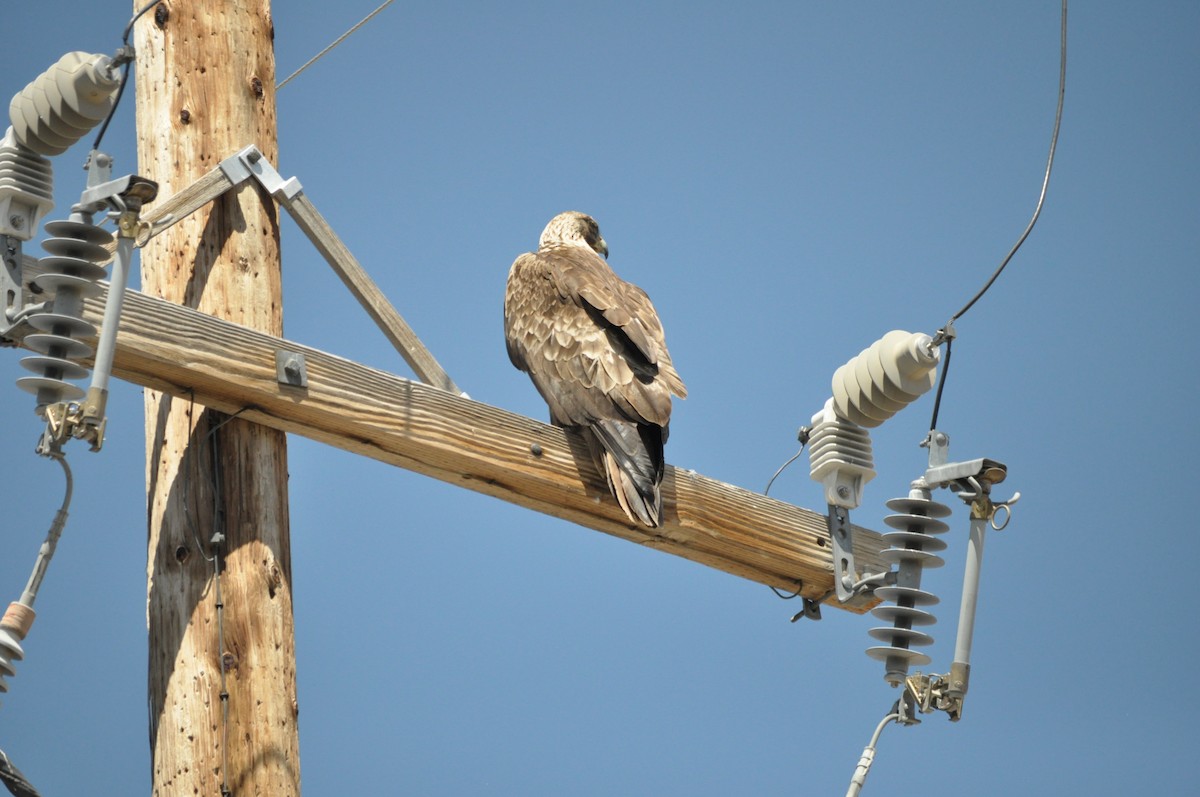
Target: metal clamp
point(290, 368)
point(250, 162)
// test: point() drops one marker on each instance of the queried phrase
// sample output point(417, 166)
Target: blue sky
point(788, 181)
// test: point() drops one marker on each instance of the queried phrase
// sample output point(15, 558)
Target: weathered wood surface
point(470, 444)
point(205, 77)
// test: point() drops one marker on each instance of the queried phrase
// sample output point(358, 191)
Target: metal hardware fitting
point(840, 534)
point(290, 368)
point(251, 163)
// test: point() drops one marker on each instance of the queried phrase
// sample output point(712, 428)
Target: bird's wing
point(644, 309)
point(593, 348)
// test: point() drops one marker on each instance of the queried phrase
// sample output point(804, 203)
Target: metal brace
point(250, 162)
point(12, 291)
point(811, 610)
point(841, 533)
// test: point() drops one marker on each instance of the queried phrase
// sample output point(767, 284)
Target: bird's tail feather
point(631, 458)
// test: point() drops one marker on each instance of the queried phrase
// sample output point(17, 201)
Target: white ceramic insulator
point(884, 378)
point(26, 188)
point(63, 103)
point(839, 455)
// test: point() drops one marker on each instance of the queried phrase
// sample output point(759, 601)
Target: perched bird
point(594, 348)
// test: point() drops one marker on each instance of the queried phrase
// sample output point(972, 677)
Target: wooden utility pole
point(222, 684)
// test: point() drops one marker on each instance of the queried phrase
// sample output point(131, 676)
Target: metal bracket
point(943, 473)
point(930, 693)
point(290, 368)
point(12, 293)
point(250, 163)
point(842, 536)
point(132, 190)
point(811, 610)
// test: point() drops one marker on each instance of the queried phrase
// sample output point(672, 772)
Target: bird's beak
point(602, 248)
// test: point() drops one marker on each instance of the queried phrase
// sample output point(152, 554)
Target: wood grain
point(470, 444)
point(222, 683)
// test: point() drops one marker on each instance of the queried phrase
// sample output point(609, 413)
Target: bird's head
point(574, 229)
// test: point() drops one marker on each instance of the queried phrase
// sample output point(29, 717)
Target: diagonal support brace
point(249, 164)
point(290, 194)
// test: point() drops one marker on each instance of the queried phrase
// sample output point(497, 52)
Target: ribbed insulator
point(71, 273)
point(10, 651)
point(26, 188)
point(63, 103)
point(912, 549)
point(884, 378)
point(840, 457)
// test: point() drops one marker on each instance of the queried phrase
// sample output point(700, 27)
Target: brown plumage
point(594, 348)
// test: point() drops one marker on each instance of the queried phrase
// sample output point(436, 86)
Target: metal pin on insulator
point(63, 103)
point(911, 549)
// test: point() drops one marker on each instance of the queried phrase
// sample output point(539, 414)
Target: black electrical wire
point(767, 491)
point(796, 456)
point(128, 61)
point(947, 332)
point(937, 399)
point(1062, 79)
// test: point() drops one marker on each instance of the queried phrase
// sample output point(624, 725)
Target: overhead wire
point(1037, 211)
point(335, 43)
point(946, 334)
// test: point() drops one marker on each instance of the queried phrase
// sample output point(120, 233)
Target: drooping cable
point(187, 484)
point(335, 43)
point(46, 553)
point(868, 756)
point(796, 456)
point(767, 491)
point(1037, 212)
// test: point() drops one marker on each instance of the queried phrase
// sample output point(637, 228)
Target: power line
point(335, 43)
point(1062, 80)
point(947, 333)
